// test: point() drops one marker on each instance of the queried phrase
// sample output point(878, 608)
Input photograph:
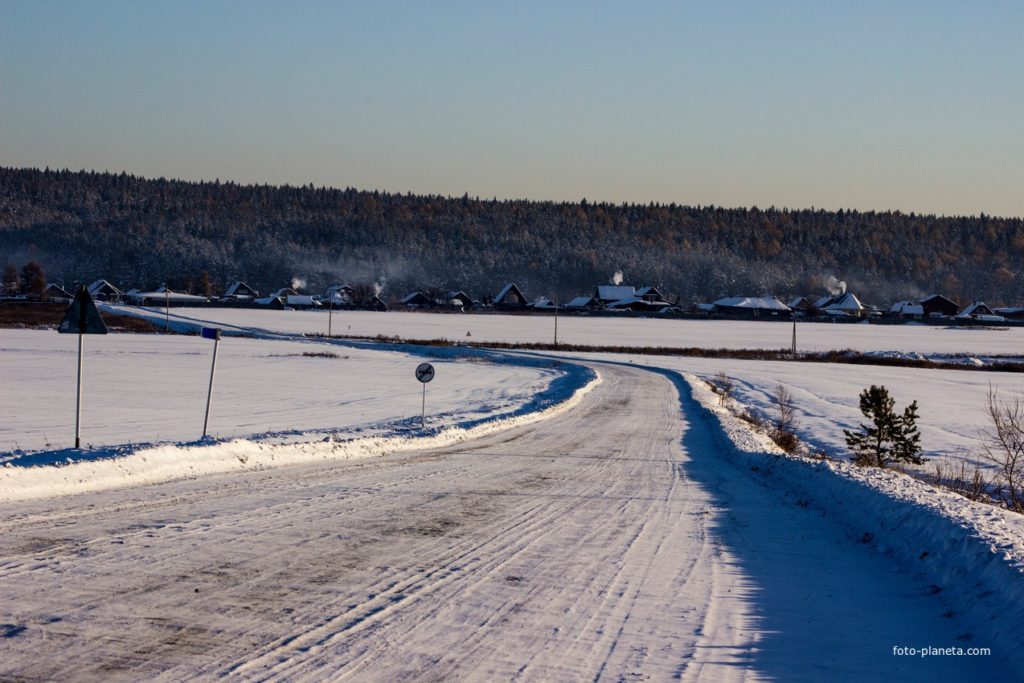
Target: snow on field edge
point(176, 461)
point(971, 551)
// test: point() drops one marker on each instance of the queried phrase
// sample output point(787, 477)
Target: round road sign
point(424, 372)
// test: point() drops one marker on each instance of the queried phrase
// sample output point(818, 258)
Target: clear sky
point(917, 106)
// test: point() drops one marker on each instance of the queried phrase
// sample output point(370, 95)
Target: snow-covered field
point(152, 388)
point(952, 403)
point(924, 339)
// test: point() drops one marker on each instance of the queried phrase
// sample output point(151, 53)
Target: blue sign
point(211, 333)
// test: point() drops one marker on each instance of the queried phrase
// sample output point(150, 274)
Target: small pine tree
point(889, 437)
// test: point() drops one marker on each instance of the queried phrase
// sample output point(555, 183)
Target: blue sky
point(917, 106)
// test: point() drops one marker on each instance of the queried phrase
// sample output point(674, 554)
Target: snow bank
point(167, 462)
point(972, 551)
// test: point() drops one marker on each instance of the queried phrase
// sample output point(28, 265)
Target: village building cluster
point(607, 299)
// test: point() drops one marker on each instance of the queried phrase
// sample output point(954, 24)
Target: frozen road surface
point(616, 541)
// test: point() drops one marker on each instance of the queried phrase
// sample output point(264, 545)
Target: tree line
point(143, 232)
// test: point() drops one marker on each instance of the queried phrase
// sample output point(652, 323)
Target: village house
point(239, 291)
point(980, 312)
point(339, 296)
point(847, 305)
point(101, 290)
point(801, 305)
point(55, 292)
point(609, 294)
point(458, 300)
point(938, 305)
point(416, 299)
point(750, 307)
point(510, 298)
point(164, 297)
point(583, 303)
point(907, 310)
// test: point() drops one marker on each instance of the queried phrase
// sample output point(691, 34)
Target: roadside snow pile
point(972, 551)
point(168, 462)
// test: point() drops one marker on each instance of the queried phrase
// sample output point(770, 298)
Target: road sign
point(424, 372)
point(82, 317)
point(211, 333)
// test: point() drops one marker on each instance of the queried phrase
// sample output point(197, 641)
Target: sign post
point(82, 318)
point(424, 373)
point(214, 334)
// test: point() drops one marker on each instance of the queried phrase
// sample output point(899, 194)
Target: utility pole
point(556, 319)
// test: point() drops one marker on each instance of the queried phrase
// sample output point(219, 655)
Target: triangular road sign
point(83, 317)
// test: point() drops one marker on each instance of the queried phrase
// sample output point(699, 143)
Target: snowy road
point(615, 541)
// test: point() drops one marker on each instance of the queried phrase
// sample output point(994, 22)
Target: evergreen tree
point(889, 437)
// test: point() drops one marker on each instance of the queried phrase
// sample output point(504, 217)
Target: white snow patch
point(168, 462)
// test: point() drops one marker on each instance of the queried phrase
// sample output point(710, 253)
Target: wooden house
point(979, 311)
point(938, 305)
point(101, 290)
point(415, 299)
point(750, 306)
point(239, 291)
point(608, 294)
point(510, 298)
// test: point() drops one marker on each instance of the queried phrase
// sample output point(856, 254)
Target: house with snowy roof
point(938, 305)
point(750, 306)
point(510, 298)
point(980, 312)
point(608, 294)
point(800, 305)
point(907, 310)
point(542, 303)
point(54, 292)
point(102, 290)
point(650, 294)
point(416, 299)
point(339, 295)
point(458, 300)
point(164, 296)
point(239, 291)
point(583, 303)
point(847, 304)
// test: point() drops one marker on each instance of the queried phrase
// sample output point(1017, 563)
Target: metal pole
point(167, 310)
point(423, 408)
point(794, 335)
point(78, 401)
point(330, 313)
point(209, 393)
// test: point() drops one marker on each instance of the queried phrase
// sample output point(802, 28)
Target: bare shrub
point(785, 419)
point(973, 485)
point(724, 385)
point(1003, 445)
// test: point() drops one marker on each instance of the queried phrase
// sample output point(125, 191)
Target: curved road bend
point(613, 542)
